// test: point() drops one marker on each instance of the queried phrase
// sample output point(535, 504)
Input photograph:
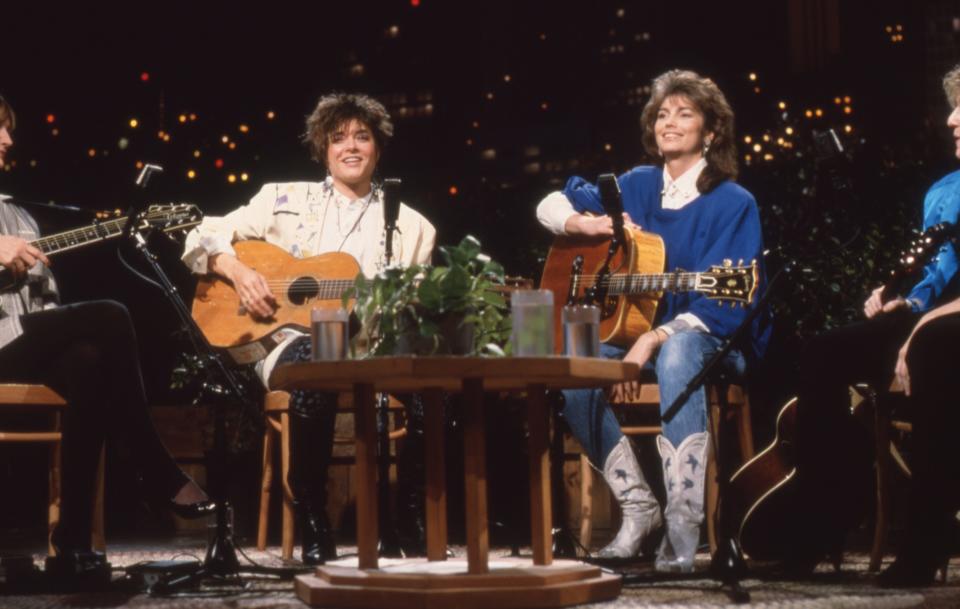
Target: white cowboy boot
point(684, 470)
point(640, 512)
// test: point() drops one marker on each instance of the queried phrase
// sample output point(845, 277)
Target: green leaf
point(430, 295)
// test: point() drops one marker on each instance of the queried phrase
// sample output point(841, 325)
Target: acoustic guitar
point(168, 218)
point(299, 284)
point(629, 293)
point(763, 495)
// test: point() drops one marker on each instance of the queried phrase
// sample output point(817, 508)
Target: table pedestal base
point(409, 584)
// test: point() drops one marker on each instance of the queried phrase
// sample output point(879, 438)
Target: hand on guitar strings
point(595, 226)
point(19, 256)
point(641, 352)
point(874, 305)
point(251, 287)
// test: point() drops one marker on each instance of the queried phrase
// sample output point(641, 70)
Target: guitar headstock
point(924, 247)
point(171, 217)
point(730, 283)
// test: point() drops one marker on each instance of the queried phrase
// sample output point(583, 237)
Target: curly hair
point(337, 109)
point(707, 97)
point(951, 85)
point(7, 118)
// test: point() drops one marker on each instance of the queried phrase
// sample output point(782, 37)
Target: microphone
point(391, 210)
point(612, 203)
point(139, 199)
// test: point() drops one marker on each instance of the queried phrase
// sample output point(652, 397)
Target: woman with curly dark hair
point(346, 133)
point(690, 200)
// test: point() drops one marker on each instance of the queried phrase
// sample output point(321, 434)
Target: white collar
point(342, 200)
point(678, 192)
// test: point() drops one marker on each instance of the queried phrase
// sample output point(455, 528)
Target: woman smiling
point(691, 201)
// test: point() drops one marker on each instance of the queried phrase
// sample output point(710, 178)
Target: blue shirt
point(941, 204)
point(721, 224)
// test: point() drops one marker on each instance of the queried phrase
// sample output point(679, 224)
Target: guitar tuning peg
point(727, 263)
point(740, 262)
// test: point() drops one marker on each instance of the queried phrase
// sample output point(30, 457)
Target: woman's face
point(679, 128)
point(953, 121)
point(352, 155)
point(6, 140)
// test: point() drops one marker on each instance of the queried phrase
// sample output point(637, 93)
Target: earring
point(706, 147)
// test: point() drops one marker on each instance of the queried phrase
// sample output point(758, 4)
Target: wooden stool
point(277, 424)
point(888, 457)
point(42, 399)
point(647, 395)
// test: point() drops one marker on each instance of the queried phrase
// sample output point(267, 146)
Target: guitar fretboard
point(59, 242)
point(641, 283)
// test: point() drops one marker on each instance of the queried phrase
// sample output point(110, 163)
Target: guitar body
point(298, 284)
point(622, 318)
point(762, 491)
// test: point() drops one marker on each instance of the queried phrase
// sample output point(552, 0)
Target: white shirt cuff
point(554, 211)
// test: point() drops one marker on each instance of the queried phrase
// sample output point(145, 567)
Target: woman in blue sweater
point(703, 217)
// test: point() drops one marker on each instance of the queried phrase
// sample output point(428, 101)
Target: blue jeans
point(679, 359)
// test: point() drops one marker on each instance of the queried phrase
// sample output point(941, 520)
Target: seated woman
point(346, 133)
point(87, 352)
point(703, 218)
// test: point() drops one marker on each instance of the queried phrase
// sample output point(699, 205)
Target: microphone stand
point(220, 563)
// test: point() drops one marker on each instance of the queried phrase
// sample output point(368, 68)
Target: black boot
point(311, 447)
point(411, 482)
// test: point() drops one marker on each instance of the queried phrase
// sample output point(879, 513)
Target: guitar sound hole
point(303, 289)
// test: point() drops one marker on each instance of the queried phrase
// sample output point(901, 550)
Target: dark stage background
point(495, 104)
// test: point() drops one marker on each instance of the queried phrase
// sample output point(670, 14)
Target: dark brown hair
point(7, 118)
point(335, 110)
point(707, 97)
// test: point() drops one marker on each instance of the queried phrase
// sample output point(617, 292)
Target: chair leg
point(586, 501)
point(745, 429)
point(266, 480)
point(882, 439)
point(53, 507)
point(712, 490)
point(288, 519)
point(98, 540)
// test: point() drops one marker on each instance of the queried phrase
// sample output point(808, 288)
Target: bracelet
point(657, 331)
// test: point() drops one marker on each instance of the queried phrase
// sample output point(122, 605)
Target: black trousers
point(87, 352)
point(834, 452)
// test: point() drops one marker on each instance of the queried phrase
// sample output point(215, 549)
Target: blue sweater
point(723, 223)
point(942, 204)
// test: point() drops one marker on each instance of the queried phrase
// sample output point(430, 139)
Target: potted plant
point(424, 310)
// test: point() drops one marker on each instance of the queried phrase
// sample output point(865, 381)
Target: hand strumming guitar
point(874, 305)
point(594, 226)
point(252, 288)
point(19, 256)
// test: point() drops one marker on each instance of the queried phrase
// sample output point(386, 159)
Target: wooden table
point(573, 583)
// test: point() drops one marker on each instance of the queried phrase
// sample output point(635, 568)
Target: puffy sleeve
point(216, 235)
point(736, 236)
point(941, 205)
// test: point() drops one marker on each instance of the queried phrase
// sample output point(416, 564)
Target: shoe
point(684, 472)
point(317, 543)
point(906, 573)
point(192, 511)
point(75, 566)
point(640, 511)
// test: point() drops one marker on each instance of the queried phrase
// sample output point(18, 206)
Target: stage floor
point(853, 587)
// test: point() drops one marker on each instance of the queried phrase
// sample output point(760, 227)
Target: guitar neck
point(647, 283)
point(78, 237)
point(329, 289)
